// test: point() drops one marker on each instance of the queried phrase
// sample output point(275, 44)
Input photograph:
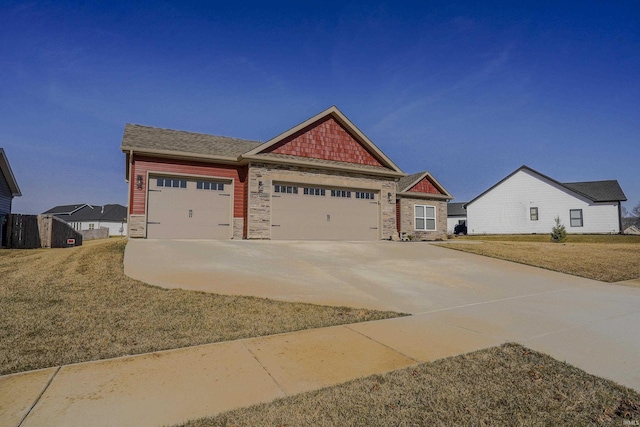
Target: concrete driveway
point(456, 298)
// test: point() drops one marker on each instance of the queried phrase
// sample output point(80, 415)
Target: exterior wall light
point(260, 187)
point(389, 197)
point(139, 182)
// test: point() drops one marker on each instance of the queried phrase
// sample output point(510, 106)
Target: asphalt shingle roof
point(86, 212)
point(456, 209)
point(406, 181)
point(151, 138)
point(598, 191)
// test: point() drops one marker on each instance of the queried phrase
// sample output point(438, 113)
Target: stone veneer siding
point(259, 201)
point(407, 218)
point(137, 226)
point(238, 228)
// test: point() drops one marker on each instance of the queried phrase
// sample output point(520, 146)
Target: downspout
point(129, 195)
point(620, 217)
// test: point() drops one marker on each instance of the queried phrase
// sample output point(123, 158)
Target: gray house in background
point(456, 214)
point(8, 190)
point(83, 216)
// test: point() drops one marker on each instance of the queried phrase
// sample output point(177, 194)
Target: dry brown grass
point(60, 306)
point(501, 386)
point(607, 262)
point(571, 238)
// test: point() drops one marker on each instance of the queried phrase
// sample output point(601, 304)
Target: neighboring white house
point(89, 217)
point(456, 214)
point(527, 201)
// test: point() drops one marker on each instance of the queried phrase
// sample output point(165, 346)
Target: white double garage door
point(194, 208)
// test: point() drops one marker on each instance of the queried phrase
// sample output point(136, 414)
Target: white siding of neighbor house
point(114, 227)
point(452, 222)
point(505, 209)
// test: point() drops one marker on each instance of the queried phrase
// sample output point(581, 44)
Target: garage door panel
point(188, 213)
point(316, 217)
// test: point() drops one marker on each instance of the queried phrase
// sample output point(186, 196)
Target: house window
point(364, 195)
point(533, 214)
point(175, 183)
point(289, 189)
point(91, 226)
point(425, 217)
point(208, 185)
point(576, 217)
point(340, 193)
point(311, 191)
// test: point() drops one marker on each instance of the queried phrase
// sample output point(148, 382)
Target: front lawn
point(61, 306)
point(608, 258)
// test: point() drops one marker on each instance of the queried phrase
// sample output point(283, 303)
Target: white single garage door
point(322, 213)
point(188, 208)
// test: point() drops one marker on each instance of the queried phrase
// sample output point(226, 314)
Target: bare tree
point(631, 218)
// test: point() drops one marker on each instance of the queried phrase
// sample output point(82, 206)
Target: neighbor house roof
point(86, 212)
point(596, 191)
point(153, 140)
point(406, 183)
point(5, 169)
point(456, 209)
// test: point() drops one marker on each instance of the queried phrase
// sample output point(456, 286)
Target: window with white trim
point(425, 217)
point(575, 216)
point(533, 214)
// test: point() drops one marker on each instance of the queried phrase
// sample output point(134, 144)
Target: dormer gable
point(327, 137)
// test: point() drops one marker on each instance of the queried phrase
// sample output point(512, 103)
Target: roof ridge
point(193, 133)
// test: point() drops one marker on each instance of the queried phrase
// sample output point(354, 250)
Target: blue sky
point(469, 91)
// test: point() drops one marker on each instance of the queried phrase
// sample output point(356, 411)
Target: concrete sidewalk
point(173, 386)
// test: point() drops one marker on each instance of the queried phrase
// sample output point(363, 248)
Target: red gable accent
point(327, 140)
point(425, 186)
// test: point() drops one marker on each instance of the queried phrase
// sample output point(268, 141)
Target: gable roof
point(406, 183)
point(151, 140)
point(86, 212)
point(5, 169)
point(456, 209)
point(261, 152)
point(596, 191)
point(599, 191)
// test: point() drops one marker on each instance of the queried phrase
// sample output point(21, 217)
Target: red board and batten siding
point(326, 140)
point(425, 186)
point(142, 165)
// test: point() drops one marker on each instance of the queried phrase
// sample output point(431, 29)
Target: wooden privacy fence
point(40, 231)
